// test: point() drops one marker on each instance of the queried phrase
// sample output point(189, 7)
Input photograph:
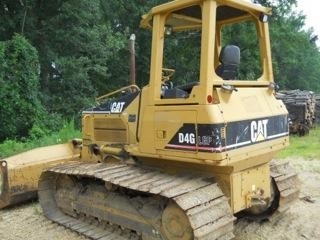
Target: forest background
point(57, 56)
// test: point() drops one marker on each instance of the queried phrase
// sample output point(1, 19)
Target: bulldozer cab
point(211, 33)
point(211, 82)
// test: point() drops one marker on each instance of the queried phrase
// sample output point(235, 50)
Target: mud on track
point(300, 222)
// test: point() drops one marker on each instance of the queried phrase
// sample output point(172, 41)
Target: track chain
point(287, 182)
point(200, 198)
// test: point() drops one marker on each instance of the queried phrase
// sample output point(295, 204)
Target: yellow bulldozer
point(191, 151)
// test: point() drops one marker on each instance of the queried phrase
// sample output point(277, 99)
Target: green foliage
point(2, 60)
point(302, 69)
point(78, 44)
point(306, 146)
point(19, 83)
point(124, 17)
point(67, 132)
point(82, 53)
point(45, 124)
point(72, 90)
point(10, 147)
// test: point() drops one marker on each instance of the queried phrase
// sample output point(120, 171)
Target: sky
point(311, 10)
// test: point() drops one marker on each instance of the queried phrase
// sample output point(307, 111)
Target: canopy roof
point(186, 14)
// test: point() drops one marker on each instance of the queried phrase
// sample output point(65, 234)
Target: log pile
point(301, 106)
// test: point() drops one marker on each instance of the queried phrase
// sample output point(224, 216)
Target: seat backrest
point(230, 60)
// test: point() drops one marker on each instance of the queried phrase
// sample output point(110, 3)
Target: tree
point(295, 56)
point(19, 87)
point(125, 17)
point(75, 45)
point(82, 47)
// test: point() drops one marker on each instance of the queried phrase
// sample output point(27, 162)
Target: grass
point(307, 146)
point(66, 133)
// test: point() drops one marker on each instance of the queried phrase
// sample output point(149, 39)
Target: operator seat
point(230, 59)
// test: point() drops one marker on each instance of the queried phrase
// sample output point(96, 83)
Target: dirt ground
point(300, 222)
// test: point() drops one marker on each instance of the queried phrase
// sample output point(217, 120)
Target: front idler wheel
point(175, 224)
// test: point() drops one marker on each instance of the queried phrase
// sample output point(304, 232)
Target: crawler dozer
point(185, 155)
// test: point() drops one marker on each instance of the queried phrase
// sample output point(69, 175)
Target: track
point(141, 203)
point(299, 222)
point(287, 182)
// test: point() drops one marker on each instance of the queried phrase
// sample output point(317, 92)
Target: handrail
point(133, 86)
